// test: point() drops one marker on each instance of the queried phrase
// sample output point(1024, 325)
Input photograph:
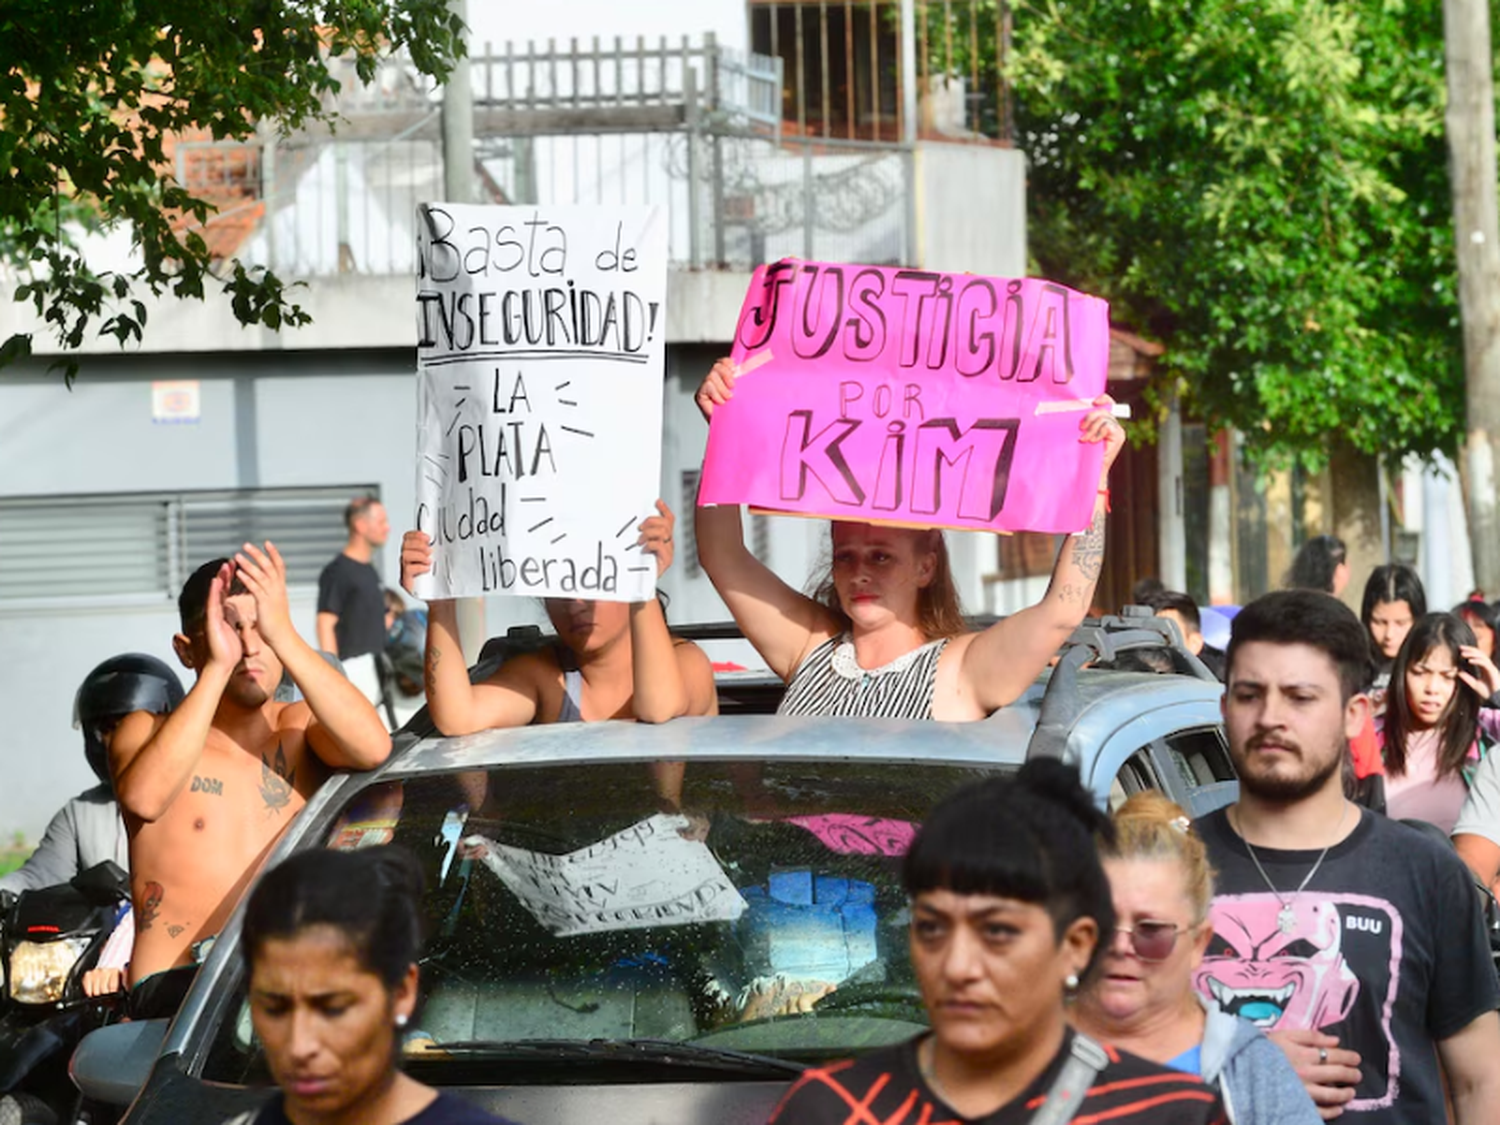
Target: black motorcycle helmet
point(122, 684)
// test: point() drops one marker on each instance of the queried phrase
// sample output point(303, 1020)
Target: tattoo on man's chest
point(210, 785)
point(276, 780)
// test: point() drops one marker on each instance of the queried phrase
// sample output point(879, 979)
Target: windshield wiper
point(624, 1050)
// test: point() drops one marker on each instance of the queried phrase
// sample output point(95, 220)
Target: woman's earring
point(401, 1017)
point(1070, 982)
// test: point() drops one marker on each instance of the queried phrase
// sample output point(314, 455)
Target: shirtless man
point(207, 790)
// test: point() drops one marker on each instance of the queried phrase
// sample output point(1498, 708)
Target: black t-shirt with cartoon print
point(1384, 948)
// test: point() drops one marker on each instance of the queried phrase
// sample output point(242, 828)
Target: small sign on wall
point(175, 403)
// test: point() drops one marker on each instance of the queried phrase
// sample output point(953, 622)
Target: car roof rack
point(1102, 639)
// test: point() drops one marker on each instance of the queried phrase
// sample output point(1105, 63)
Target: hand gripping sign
point(911, 397)
point(539, 353)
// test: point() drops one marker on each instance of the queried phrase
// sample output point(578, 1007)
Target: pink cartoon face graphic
point(1296, 979)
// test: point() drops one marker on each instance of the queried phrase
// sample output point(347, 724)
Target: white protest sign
point(645, 875)
point(540, 346)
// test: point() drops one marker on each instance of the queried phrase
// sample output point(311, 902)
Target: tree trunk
point(1471, 145)
point(1353, 514)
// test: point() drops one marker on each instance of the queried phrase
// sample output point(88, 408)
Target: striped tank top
point(831, 682)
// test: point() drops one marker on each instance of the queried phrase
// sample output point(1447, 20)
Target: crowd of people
point(1299, 955)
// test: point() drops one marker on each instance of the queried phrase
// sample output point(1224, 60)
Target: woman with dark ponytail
point(1010, 909)
point(331, 941)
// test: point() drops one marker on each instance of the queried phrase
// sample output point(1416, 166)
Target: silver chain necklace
point(1286, 917)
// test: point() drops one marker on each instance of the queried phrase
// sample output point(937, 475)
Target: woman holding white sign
point(613, 661)
point(885, 636)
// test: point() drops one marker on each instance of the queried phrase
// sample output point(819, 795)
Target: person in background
point(351, 599)
point(1010, 912)
point(1142, 999)
point(885, 636)
point(395, 606)
point(1321, 564)
point(89, 829)
point(1354, 940)
point(1393, 601)
point(1181, 609)
point(1480, 616)
point(330, 943)
point(401, 660)
point(1434, 720)
point(1145, 589)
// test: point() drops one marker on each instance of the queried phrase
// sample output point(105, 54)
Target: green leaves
point(92, 95)
point(1263, 189)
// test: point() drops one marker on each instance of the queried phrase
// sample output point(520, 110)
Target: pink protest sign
point(910, 396)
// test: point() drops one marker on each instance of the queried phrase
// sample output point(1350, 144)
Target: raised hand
point(1478, 671)
point(224, 647)
point(656, 536)
point(264, 574)
point(416, 558)
point(1100, 425)
point(717, 387)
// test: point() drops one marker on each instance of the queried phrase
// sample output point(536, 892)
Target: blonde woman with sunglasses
point(1142, 999)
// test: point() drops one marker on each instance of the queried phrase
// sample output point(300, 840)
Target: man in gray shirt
point(1477, 833)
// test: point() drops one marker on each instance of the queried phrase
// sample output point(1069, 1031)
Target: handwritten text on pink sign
point(874, 393)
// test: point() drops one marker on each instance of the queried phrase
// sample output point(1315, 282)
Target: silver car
point(666, 923)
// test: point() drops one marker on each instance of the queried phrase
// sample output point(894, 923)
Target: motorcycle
point(50, 937)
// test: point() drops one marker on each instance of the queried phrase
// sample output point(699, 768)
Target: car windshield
point(575, 904)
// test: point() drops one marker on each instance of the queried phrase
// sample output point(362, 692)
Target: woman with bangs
point(1436, 725)
point(1010, 910)
point(884, 636)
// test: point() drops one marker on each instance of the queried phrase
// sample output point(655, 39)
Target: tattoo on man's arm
point(276, 780)
point(149, 907)
point(434, 657)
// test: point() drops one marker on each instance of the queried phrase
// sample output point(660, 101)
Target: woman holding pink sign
point(885, 635)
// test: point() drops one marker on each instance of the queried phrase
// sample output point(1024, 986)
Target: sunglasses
point(1152, 941)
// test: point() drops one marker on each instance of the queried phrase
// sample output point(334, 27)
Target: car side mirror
point(112, 1064)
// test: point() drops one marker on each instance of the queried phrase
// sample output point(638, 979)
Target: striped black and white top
point(831, 682)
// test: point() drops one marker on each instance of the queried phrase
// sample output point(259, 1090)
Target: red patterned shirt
point(886, 1087)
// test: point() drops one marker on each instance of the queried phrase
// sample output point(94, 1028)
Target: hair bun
point(1058, 782)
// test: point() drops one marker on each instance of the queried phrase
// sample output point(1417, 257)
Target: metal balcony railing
point(691, 126)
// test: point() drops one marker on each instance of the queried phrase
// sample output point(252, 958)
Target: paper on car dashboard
point(646, 875)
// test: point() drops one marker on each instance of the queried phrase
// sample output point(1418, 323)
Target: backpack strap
point(1477, 754)
point(1085, 1060)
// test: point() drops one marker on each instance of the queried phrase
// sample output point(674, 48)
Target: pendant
point(1286, 918)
